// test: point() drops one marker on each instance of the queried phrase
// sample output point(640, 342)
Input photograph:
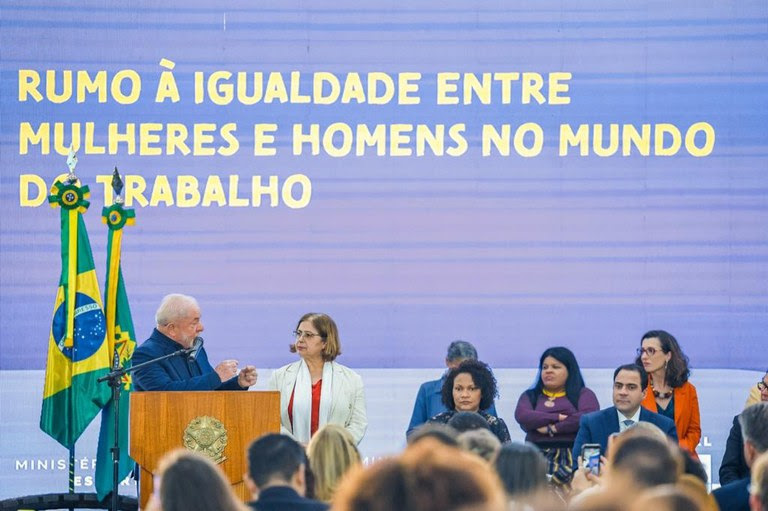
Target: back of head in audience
point(276, 460)
point(522, 469)
point(438, 431)
point(480, 442)
point(467, 421)
point(644, 462)
point(666, 498)
point(188, 481)
point(332, 452)
point(427, 476)
point(758, 500)
point(754, 430)
point(692, 466)
point(697, 489)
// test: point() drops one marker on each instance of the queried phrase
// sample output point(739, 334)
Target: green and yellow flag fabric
point(77, 352)
point(120, 336)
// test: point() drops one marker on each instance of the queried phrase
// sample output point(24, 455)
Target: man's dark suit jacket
point(285, 498)
point(596, 427)
point(733, 496)
point(734, 466)
point(175, 373)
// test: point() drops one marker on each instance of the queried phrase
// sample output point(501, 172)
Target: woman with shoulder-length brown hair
point(669, 392)
point(316, 390)
point(188, 481)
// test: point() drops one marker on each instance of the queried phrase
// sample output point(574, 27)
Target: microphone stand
point(114, 379)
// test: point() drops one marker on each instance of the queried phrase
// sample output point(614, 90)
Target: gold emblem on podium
point(208, 436)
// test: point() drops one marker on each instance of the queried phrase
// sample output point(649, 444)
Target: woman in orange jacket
point(669, 392)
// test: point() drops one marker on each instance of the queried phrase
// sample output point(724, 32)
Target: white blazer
point(347, 407)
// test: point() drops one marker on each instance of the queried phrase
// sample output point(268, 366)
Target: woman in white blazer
point(316, 390)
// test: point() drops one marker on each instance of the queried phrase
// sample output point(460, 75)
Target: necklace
point(661, 395)
point(551, 396)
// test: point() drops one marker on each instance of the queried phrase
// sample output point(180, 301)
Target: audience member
point(480, 442)
point(734, 496)
point(734, 466)
point(629, 384)
point(471, 387)
point(443, 433)
point(693, 467)
point(638, 460)
point(276, 475)
point(468, 421)
point(758, 499)
point(643, 462)
point(429, 400)
point(697, 489)
point(549, 412)
point(427, 476)
point(332, 453)
point(669, 392)
point(666, 498)
point(523, 472)
point(188, 481)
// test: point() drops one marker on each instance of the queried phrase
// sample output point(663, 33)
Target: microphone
point(195, 348)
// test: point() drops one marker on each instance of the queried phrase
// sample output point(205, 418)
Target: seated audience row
point(444, 470)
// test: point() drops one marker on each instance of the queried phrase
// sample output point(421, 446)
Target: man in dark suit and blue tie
point(629, 384)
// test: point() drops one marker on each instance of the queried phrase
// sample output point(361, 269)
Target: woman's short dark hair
point(522, 468)
point(677, 372)
point(573, 384)
point(482, 376)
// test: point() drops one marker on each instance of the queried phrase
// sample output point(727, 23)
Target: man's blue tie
point(627, 423)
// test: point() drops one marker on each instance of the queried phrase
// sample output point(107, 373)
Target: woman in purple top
point(549, 412)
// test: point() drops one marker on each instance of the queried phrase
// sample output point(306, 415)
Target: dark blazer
point(596, 427)
point(285, 498)
point(733, 466)
point(175, 373)
point(733, 496)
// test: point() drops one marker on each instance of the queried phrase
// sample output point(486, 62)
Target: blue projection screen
point(517, 174)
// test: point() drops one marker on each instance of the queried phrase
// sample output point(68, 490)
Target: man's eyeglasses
point(761, 386)
point(298, 334)
point(647, 351)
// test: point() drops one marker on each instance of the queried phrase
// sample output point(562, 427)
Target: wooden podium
point(221, 423)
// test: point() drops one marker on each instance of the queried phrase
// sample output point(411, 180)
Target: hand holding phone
point(590, 458)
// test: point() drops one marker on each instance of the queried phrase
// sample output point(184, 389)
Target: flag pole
point(71, 179)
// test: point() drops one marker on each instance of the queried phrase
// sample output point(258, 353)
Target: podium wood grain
point(158, 421)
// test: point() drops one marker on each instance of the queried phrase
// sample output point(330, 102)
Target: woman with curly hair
point(471, 387)
point(669, 392)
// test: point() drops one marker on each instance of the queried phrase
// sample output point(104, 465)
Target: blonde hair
point(331, 452)
point(326, 327)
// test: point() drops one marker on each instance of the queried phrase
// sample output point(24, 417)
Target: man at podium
point(178, 326)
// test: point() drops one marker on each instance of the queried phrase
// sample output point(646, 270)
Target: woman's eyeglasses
point(298, 334)
point(647, 351)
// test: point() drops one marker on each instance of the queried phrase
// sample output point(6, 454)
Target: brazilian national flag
point(120, 335)
point(77, 352)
